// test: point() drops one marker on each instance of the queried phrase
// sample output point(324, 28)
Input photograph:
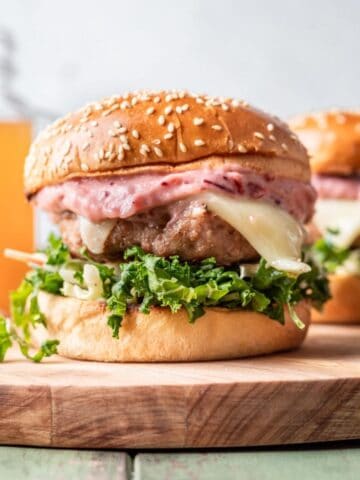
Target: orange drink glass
point(16, 218)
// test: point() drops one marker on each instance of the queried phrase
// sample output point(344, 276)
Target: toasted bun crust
point(156, 128)
point(332, 139)
point(344, 307)
point(161, 336)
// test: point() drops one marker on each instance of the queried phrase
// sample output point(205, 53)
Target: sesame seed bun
point(161, 336)
point(332, 139)
point(129, 133)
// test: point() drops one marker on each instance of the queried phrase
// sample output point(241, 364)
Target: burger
point(333, 141)
point(181, 229)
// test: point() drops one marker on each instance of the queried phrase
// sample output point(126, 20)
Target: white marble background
point(284, 56)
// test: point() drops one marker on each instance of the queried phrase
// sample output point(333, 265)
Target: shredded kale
point(329, 255)
point(9, 336)
point(57, 252)
point(147, 280)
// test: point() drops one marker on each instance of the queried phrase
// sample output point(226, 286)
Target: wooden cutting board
point(309, 395)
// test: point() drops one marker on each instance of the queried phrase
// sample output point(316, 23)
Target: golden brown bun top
point(143, 128)
point(332, 139)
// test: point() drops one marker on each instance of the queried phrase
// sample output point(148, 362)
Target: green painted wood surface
point(316, 464)
point(329, 464)
point(45, 464)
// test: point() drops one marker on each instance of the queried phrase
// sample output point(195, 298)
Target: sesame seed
point(161, 120)
point(117, 124)
point(182, 147)
point(178, 109)
point(230, 144)
point(242, 148)
point(168, 97)
point(134, 101)
point(185, 107)
point(216, 127)
point(168, 110)
point(150, 111)
point(167, 136)
point(171, 127)
point(259, 135)
point(86, 146)
point(156, 141)
point(198, 121)
point(122, 130)
point(225, 107)
point(124, 105)
point(121, 154)
point(157, 99)
point(198, 142)
point(199, 100)
point(272, 138)
point(112, 133)
point(270, 127)
point(135, 134)
point(235, 103)
point(284, 147)
point(126, 146)
point(144, 149)
point(84, 167)
point(67, 147)
point(124, 138)
point(94, 123)
point(158, 151)
point(101, 153)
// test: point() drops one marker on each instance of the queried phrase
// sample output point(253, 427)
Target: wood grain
point(309, 395)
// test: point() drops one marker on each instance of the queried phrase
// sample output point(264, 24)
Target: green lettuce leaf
point(325, 253)
point(57, 252)
point(9, 335)
point(146, 280)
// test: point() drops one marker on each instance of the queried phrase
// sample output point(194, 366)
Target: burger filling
point(337, 221)
point(192, 214)
point(225, 238)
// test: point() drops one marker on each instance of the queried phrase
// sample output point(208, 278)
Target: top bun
point(332, 139)
point(156, 128)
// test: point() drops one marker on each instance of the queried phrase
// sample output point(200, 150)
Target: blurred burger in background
point(181, 220)
point(333, 141)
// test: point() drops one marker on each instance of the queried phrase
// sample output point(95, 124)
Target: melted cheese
point(273, 233)
point(94, 235)
point(342, 216)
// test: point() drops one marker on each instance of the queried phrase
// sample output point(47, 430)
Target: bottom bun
point(344, 306)
point(162, 336)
